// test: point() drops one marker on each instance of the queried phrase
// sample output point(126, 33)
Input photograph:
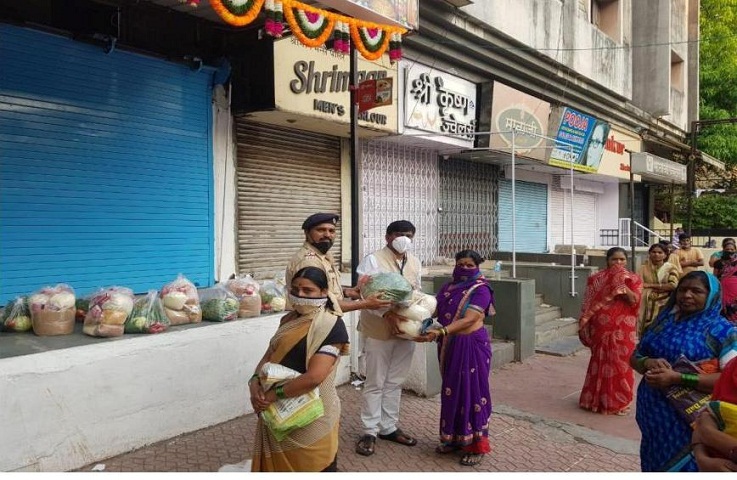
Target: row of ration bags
point(113, 311)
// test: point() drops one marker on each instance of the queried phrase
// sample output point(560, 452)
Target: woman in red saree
point(725, 269)
point(608, 325)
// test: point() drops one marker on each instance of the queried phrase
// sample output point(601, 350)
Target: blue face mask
point(461, 274)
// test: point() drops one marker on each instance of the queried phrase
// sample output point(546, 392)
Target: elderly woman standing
point(690, 324)
point(659, 279)
point(310, 340)
point(607, 326)
point(464, 351)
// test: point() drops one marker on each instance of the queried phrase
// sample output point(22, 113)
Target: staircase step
point(538, 299)
point(554, 329)
point(547, 313)
point(502, 353)
point(561, 347)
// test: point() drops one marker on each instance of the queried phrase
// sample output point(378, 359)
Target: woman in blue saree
point(464, 351)
point(690, 324)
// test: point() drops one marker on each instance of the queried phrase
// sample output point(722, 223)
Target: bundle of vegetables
point(82, 305)
point(17, 316)
point(273, 296)
point(392, 286)
point(181, 301)
point(219, 304)
point(52, 310)
point(417, 316)
point(147, 315)
point(246, 290)
point(109, 309)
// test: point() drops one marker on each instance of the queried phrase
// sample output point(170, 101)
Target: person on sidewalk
point(464, 354)
point(690, 325)
point(725, 269)
point(310, 340)
point(608, 326)
point(659, 279)
point(689, 257)
point(718, 254)
point(388, 358)
point(319, 230)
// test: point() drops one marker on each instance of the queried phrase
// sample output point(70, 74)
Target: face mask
point(401, 244)
point(305, 306)
point(461, 274)
point(323, 247)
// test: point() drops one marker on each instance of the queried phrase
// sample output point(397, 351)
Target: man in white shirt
point(388, 358)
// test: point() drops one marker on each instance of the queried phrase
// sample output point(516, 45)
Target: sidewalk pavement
point(536, 426)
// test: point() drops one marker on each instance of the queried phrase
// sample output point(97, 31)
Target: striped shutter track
point(585, 229)
point(531, 219)
point(283, 176)
point(105, 169)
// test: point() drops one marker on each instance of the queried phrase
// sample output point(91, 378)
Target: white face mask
point(401, 244)
point(304, 306)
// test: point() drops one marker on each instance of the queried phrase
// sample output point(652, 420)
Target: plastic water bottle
point(498, 270)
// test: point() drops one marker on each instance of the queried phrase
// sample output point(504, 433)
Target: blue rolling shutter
point(106, 167)
point(531, 219)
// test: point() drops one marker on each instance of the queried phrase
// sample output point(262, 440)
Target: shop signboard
point(615, 161)
point(657, 169)
point(523, 113)
point(441, 103)
point(579, 140)
point(315, 83)
point(401, 13)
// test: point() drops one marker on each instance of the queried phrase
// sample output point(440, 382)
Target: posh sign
point(438, 102)
point(315, 82)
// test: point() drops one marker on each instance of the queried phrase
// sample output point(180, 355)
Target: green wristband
point(641, 363)
point(279, 390)
point(690, 380)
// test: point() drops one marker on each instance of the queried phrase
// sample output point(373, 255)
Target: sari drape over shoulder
point(314, 447)
point(607, 326)
point(700, 336)
point(652, 301)
point(465, 363)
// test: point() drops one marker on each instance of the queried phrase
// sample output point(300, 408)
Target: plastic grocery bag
point(249, 300)
point(219, 304)
point(82, 305)
point(147, 315)
point(392, 286)
point(17, 316)
point(417, 315)
point(273, 296)
point(108, 310)
point(181, 301)
point(52, 310)
point(288, 414)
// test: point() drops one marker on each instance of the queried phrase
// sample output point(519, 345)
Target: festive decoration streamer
point(313, 27)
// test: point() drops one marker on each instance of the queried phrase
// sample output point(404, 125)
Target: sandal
point(365, 445)
point(398, 436)
point(623, 412)
point(444, 448)
point(471, 459)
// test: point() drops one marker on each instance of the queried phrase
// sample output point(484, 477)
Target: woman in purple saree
point(464, 350)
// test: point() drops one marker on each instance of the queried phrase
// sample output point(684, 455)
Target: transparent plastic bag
point(247, 291)
point(273, 296)
point(108, 310)
point(53, 310)
point(417, 316)
point(181, 301)
point(392, 286)
point(17, 316)
point(147, 315)
point(219, 304)
point(288, 414)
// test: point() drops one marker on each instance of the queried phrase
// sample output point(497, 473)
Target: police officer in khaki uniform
point(319, 231)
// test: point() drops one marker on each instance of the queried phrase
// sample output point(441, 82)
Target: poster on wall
point(402, 13)
point(580, 140)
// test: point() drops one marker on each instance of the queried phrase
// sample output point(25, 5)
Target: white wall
point(609, 207)
point(67, 408)
point(224, 162)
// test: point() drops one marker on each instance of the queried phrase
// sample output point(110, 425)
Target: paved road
point(536, 426)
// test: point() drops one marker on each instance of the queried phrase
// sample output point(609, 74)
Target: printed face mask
point(305, 306)
point(401, 244)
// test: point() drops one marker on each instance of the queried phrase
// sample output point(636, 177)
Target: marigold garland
point(334, 28)
point(237, 16)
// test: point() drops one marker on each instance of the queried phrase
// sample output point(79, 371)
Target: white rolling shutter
point(284, 175)
point(585, 205)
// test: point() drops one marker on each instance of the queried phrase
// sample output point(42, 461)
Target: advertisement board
point(580, 139)
point(515, 110)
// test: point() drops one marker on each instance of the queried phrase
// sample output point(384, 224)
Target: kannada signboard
point(402, 13)
point(515, 110)
point(658, 169)
point(580, 140)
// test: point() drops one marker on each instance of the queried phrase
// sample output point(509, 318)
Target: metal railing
point(620, 237)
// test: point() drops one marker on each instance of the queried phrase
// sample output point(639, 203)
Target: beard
point(323, 246)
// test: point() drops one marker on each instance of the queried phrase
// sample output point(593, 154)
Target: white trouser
point(387, 366)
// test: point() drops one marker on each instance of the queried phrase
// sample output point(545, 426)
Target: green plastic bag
point(393, 286)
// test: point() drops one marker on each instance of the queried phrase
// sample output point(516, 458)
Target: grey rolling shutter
point(284, 175)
